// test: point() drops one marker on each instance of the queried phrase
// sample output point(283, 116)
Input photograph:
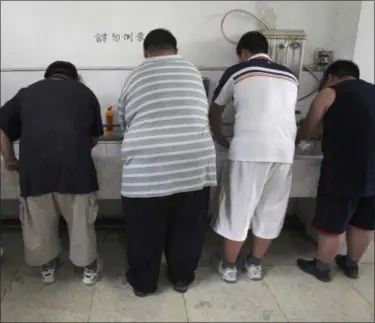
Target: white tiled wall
point(107, 85)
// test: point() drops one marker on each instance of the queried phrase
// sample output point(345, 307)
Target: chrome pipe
point(115, 125)
point(109, 68)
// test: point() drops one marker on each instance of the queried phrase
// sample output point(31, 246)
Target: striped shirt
point(167, 146)
point(264, 97)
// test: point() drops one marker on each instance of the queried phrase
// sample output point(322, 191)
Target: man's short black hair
point(159, 39)
point(343, 68)
point(253, 41)
point(61, 67)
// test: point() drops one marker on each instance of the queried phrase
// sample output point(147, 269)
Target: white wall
point(34, 33)
point(364, 46)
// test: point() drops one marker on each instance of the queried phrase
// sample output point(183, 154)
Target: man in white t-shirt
point(255, 192)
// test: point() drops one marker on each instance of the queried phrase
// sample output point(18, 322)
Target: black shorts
point(333, 214)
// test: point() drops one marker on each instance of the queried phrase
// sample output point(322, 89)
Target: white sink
point(313, 151)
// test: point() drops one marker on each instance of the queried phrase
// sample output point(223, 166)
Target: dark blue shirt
point(55, 120)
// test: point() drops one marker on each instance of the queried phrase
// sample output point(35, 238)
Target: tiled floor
point(286, 294)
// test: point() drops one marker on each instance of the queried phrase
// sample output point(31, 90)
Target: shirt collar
point(260, 56)
point(160, 58)
point(58, 77)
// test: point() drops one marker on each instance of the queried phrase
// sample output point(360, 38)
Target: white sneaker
point(90, 276)
point(48, 272)
point(254, 272)
point(229, 275)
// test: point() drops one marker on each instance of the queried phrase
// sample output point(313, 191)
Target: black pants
point(174, 224)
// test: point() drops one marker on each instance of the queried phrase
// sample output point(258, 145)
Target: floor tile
point(114, 301)
point(8, 273)
point(368, 257)
point(211, 300)
point(304, 299)
point(365, 284)
point(299, 296)
point(28, 299)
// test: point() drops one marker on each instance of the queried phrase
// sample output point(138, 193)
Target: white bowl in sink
point(309, 150)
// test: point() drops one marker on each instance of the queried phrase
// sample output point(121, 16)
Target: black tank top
point(348, 166)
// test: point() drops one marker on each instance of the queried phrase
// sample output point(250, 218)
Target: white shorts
point(252, 195)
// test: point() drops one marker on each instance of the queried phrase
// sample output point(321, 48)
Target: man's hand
point(7, 150)
point(215, 124)
point(299, 123)
point(314, 119)
point(12, 165)
point(222, 141)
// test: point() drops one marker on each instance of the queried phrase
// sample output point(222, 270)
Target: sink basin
point(312, 150)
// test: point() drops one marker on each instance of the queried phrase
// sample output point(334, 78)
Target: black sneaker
point(140, 294)
point(349, 271)
point(181, 287)
point(309, 267)
point(135, 292)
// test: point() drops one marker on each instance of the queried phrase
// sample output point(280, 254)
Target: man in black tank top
point(345, 206)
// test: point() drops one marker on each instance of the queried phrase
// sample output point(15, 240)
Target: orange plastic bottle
point(109, 121)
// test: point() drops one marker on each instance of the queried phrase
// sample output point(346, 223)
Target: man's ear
point(323, 82)
point(176, 51)
point(144, 54)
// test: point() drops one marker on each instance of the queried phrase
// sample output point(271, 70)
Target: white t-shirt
point(264, 97)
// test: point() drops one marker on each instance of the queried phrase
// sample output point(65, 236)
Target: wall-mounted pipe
point(88, 68)
point(116, 125)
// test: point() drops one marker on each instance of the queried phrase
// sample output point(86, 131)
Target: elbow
point(4, 139)
point(94, 141)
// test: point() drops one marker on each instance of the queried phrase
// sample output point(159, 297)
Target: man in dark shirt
point(345, 201)
point(57, 122)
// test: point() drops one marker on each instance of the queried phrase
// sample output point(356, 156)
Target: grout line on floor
point(10, 283)
point(92, 302)
point(186, 311)
point(359, 292)
point(274, 297)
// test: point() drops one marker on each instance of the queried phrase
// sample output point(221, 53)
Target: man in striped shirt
point(169, 165)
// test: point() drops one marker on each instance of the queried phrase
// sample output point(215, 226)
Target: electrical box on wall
point(286, 47)
point(323, 58)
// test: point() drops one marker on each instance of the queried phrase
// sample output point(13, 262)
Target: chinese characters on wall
point(119, 37)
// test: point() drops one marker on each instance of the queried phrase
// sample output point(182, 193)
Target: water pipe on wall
point(305, 68)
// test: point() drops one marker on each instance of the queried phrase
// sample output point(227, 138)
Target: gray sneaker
point(48, 272)
point(229, 275)
point(91, 275)
point(254, 272)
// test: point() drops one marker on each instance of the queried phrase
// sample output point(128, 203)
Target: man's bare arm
point(7, 150)
point(312, 124)
point(215, 124)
